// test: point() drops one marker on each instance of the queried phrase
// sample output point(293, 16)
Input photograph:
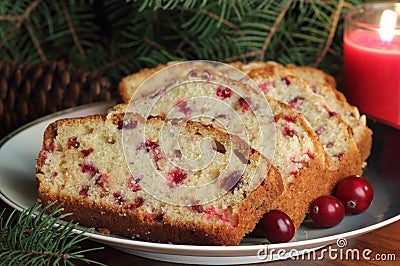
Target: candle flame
point(388, 25)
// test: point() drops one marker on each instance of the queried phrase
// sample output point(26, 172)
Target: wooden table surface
point(383, 243)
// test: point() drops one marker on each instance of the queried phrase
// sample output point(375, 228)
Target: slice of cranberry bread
point(82, 164)
point(302, 161)
point(333, 132)
point(208, 97)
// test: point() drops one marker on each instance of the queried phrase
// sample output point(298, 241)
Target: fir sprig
point(35, 237)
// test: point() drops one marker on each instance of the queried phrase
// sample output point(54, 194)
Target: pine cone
point(31, 91)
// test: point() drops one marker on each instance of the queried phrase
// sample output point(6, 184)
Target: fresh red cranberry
point(224, 93)
point(326, 211)
point(278, 226)
point(355, 192)
point(159, 92)
point(320, 131)
point(43, 158)
point(332, 113)
point(228, 217)
point(73, 143)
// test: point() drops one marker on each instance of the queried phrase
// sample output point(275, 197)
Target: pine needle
point(39, 237)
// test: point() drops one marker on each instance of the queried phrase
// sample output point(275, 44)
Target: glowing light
point(388, 25)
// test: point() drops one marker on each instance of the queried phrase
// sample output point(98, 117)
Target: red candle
point(372, 65)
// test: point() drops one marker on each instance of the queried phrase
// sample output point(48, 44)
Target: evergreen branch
point(33, 238)
point(218, 18)
point(332, 31)
point(72, 29)
point(274, 28)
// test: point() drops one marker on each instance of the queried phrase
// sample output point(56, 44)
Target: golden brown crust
point(365, 143)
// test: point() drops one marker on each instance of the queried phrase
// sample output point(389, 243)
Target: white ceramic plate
point(19, 150)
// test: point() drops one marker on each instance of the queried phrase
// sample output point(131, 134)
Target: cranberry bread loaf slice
point(323, 84)
point(210, 98)
point(82, 164)
point(302, 161)
point(333, 132)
